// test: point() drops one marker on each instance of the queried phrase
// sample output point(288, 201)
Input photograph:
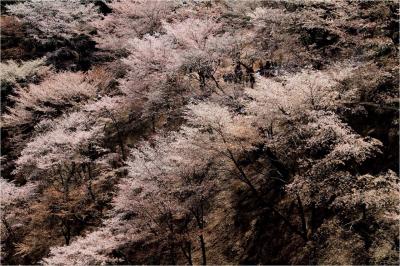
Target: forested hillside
point(199, 132)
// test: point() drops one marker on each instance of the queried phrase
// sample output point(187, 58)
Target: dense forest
point(199, 132)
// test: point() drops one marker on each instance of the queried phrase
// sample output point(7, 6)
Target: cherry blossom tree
point(153, 82)
point(59, 91)
point(62, 142)
point(220, 134)
point(10, 193)
point(327, 132)
point(196, 39)
point(373, 200)
point(73, 139)
point(151, 158)
point(12, 72)
point(152, 59)
point(131, 19)
point(150, 195)
point(67, 154)
point(56, 18)
point(368, 205)
point(63, 153)
point(274, 100)
point(12, 197)
point(93, 248)
point(324, 155)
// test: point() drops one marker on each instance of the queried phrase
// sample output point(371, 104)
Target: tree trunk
point(7, 226)
point(202, 80)
point(302, 216)
point(217, 84)
point(199, 216)
point(172, 254)
point(153, 123)
point(67, 232)
point(203, 249)
point(250, 74)
point(89, 186)
point(246, 180)
point(119, 135)
point(187, 251)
